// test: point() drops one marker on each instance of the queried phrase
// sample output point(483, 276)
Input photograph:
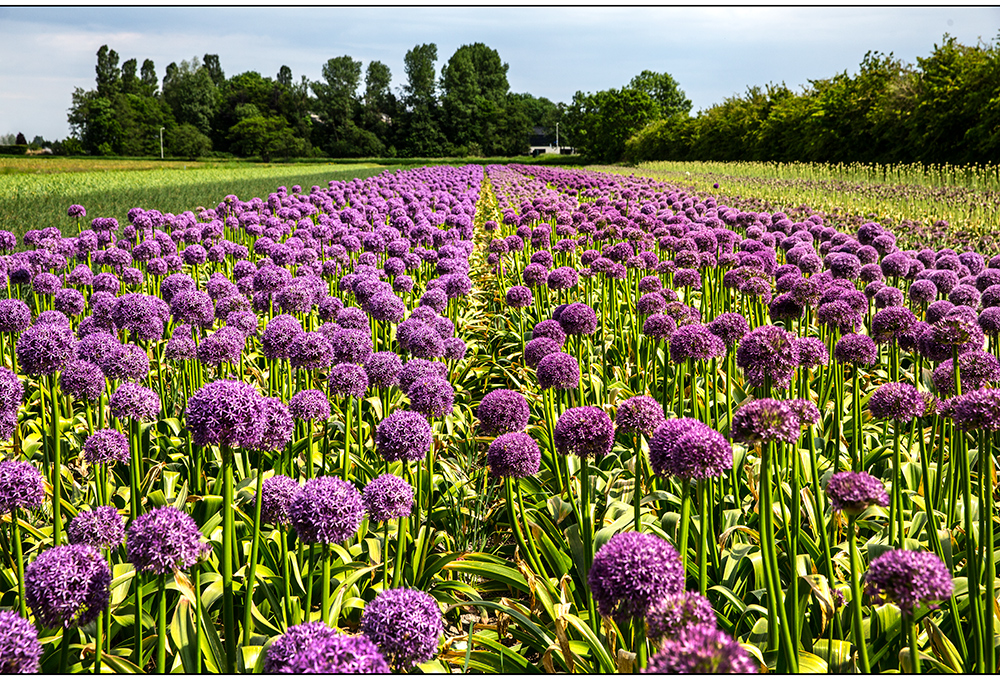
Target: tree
point(285, 76)
point(20, 139)
point(601, 123)
point(93, 119)
point(214, 68)
point(108, 75)
point(191, 94)
point(188, 142)
point(150, 82)
point(474, 97)
point(664, 90)
point(265, 137)
point(130, 79)
point(379, 105)
point(420, 131)
point(336, 98)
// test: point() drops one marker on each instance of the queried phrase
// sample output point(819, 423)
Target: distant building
point(540, 142)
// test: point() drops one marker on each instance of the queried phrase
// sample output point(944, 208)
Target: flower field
point(511, 419)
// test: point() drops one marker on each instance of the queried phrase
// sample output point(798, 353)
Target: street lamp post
point(557, 135)
point(161, 143)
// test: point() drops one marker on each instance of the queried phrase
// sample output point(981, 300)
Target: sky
point(713, 52)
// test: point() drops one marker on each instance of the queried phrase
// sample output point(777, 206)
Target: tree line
point(468, 110)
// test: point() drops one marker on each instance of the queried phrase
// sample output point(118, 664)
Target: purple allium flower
point(275, 425)
point(650, 303)
point(15, 315)
point(101, 528)
point(639, 414)
point(549, 328)
point(768, 352)
point(278, 336)
point(659, 326)
point(67, 586)
point(11, 391)
point(890, 323)
point(403, 435)
point(193, 307)
point(44, 349)
point(224, 412)
point(537, 349)
point(989, 321)
point(632, 571)
point(673, 614)
point(21, 486)
point(351, 346)
point(20, 651)
point(406, 624)
point(922, 291)
point(106, 446)
point(51, 316)
point(697, 342)
point(764, 421)
point(514, 454)
point(562, 278)
point(383, 369)
point(454, 349)
point(689, 449)
point(855, 349)
point(812, 352)
point(519, 296)
point(578, 318)
point(419, 339)
point(348, 380)
point(46, 283)
point(584, 431)
point(938, 310)
point(326, 510)
point(69, 301)
point(295, 640)
point(730, 327)
point(76, 211)
point(897, 401)
point(134, 402)
point(432, 396)
point(164, 539)
point(310, 405)
point(310, 351)
point(977, 410)
point(838, 314)
point(852, 492)
point(976, 369)
point(416, 368)
point(502, 411)
point(129, 363)
point(702, 649)
point(387, 497)
point(558, 370)
point(338, 654)
point(277, 494)
point(909, 578)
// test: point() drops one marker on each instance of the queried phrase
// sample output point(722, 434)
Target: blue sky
point(713, 52)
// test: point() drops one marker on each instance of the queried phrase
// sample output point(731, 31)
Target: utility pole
point(161, 143)
point(557, 135)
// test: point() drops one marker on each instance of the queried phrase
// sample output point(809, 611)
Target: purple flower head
point(419, 339)
point(134, 402)
point(909, 578)
point(348, 380)
point(768, 353)
point(279, 334)
point(454, 349)
point(730, 327)
point(890, 323)
point(20, 651)
point(562, 278)
point(659, 327)
point(193, 307)
point(673, 614)
point(106, 446)
point(310, 351)
point(432, 396)
point(502, 411)
point(578, 318)
point(896, 401)
point(697, 342)
point(309, 405)
point(519, 296)
point(977, 410)
point(67, 586)
point(812, 352)
point(101, 528)
point(417, 368)
point(976, 369)
point(557, 370)
point(639, 414)
point(855, 349)
point(703, 650)
point(44, 349)
point(129, 363)
point(351, 346)
point(403, 435)
point(294, 641)
point(21, 486)
point(15, 315)
point(632, 571)
point(852, 492)
point(46, 283)
point(535, 350)
point(764, 421)
point(69, 301)
point(689, 449)
point(275, 425)
point(224, 412)
point(163, 540)
point(514, 454)
point(11, 391)
point(326, 510)
point(277, 494)
point(549, 328)
point(584, 431)
point(383, 369)
point(387, 497)
point(406, 624)
point(338, 654)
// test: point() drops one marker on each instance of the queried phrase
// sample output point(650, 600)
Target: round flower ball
point(387, 497)
point(340, 654)
point(632, 571)
point(406, 624)
point(502, 411)
point(764, 421)
point(704, 650)
point(639, 414)
point(67, 586)
point(106, 446)
point(852, 492)
point(309, 405)
point(326, 510)
point(690, 451)
point(432, 396)
point(403, 435)
point(134, 402)
point(909, 578)
point(896, 401)
point(557, 370)
point(855, 349)
point(578, 318)
point(584, 431)
point(45, 348)
point(20, 651)
point(294, 640)
point(673, 614)
point(223, 412)
point(277, 494)
point(101, 528)
point(537, 349)
point(21, 486)
point(164, 539)
point(514, 454)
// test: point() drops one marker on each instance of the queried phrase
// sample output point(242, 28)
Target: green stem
point(254, 554)
point(703, 537)
point(56, 466)
point(397, 570)
point(859, 638)
point(685, 524)
point(161, 627)
point(325, 578)
point(19, 562)
point(137, 624)
point(911, 627)
point(228, 530)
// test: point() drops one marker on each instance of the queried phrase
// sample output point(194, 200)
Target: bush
point(13, 149)
point(187, 141)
